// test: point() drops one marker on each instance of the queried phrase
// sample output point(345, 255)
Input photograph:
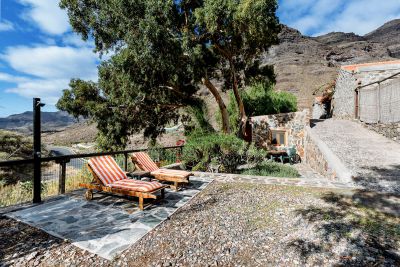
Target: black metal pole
point(37, 175)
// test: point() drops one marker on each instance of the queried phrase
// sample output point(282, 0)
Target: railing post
point(126, 162)
point(61, 178)
point(37, 173)
point(379, 103)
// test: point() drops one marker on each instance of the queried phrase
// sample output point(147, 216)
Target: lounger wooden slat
point(143, 162)
point(99, 185)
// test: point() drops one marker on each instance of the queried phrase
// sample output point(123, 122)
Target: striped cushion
point(144, 162)
point(107, 169)
point(169, 172)
point(135, 185)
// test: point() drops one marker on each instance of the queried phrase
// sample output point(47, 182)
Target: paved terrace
point(106, 225)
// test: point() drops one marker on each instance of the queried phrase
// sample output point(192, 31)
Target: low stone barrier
point(389, 130)
point(321, 158)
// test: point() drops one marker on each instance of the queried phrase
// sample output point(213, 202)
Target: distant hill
point(51, 121)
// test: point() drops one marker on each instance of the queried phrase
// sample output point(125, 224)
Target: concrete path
point(373, 159)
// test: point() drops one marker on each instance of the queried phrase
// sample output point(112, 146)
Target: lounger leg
point(175, 186)
point(89, 194)
point(141, 203)
point(162, 193)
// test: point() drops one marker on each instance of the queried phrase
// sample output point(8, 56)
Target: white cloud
point(75, 40)
point(6, 26)
point(46, 70)
point(52, 61)
point(5, 77)
point(47, 15)
point(322, 16)
point(48, 90)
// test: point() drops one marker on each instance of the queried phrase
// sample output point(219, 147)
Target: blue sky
point(39, 53)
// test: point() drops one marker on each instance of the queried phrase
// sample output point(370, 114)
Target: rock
point(31, 256)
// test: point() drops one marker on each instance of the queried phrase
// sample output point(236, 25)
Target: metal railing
point(61, 174)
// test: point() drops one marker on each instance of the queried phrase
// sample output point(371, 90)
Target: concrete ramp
point(372, 159)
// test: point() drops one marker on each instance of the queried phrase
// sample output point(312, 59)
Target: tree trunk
point(239, 101)
point(221, 104)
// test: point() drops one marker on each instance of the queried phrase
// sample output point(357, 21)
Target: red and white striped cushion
point(135, 185)
point(144, 161)
point(107, 169)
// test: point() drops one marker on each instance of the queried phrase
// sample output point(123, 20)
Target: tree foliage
point(160, 51)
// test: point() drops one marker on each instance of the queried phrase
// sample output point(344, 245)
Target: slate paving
point(107, 225)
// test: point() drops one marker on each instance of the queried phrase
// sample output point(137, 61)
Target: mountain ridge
point(50, 121)
point(304, 64)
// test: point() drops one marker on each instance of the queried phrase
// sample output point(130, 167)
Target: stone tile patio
point(108, 224)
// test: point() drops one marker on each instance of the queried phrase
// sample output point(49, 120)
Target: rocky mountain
point(51, 121)
point(304, 64)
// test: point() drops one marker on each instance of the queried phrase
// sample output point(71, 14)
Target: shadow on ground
point(364, 225)
point(361, 228)
point(380, 179)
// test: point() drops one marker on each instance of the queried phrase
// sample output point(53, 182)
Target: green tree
point(161, 52)
point(238, 31)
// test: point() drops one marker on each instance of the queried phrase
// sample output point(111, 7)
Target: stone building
point(287, 129)
point(370, 92)
point(351, 77)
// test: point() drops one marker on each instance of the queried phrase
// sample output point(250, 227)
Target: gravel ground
point(239, 224)
point(23, 245)
point(373, 158)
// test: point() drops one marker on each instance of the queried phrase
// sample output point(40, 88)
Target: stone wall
point(294, 123)
point(315, 159)
point(391, 131)
point(343, 99)
point(322, 159)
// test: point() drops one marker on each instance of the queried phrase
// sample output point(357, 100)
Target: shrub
point(261, 99)
point(272, 169)
point(219, 152)
point(195, 117)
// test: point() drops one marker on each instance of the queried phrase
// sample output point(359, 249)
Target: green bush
point(261, 99)
point(272, 169)
point(195, 117)
point(215, 152)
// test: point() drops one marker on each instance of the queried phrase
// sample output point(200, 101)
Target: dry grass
point(21, 192)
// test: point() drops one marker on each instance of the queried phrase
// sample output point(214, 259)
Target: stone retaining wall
point(294, 123)
point(322, 160)
point(391, 131)
point(315, 159)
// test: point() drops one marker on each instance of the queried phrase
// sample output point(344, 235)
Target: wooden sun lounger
point(97, 184)
point(143, 162)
